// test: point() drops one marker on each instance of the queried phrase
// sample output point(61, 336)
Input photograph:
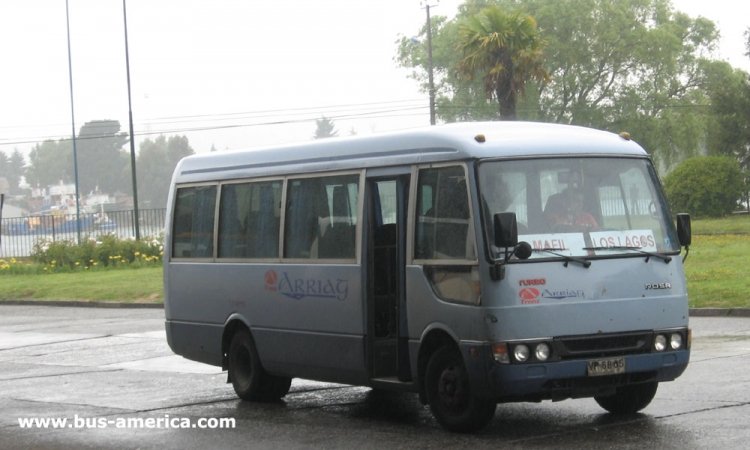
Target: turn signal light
point(500, 352)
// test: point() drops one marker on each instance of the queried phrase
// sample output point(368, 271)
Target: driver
point(566, 209)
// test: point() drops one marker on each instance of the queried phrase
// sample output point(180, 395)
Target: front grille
point(600, 345)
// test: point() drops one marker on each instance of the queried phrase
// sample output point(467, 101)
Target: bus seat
point(337, 241)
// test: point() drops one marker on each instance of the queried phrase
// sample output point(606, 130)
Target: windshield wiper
point(648, 255)
point(553, 250)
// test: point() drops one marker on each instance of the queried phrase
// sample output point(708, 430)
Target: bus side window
point(193, 227)
point(249, 220)
point(337, 230)
point(445, 232)
point(301, 219)
point(321, 218)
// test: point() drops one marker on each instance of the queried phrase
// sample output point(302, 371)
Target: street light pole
point(73, 126)
point(136, 219)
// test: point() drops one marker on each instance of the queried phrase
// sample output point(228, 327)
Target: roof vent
point(480, 138)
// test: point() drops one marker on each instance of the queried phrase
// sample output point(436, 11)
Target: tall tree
point(633, 65)
point(505, 50)
point(50, 162)
point(629, 64)
point(729, 131)
point(102, 162)
point(325, 128)
point(4, 171)
point(16, 170)
point(157, 160)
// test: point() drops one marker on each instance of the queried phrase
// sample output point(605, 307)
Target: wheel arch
point(233, 323)
point(433, 338)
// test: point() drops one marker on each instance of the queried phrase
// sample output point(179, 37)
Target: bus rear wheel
point(449, 394)
point(249, 380)
point(628, 399)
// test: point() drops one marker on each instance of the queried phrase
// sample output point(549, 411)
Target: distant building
point(12, 211)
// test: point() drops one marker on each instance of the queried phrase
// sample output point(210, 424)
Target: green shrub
point(13, 266)
point(108, 251)
point(705, 186)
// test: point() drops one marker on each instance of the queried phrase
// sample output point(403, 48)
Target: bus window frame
point(214, 258)
point(192, 259)
point(412, 220)
point(656, 188)
point(357, 230)
point(430, 267)
point(218, 222)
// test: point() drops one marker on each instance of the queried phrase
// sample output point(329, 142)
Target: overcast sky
point(231, 73)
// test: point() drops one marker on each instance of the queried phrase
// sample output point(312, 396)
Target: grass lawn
point(717, 271)
point(143, 285)
point(718, 268)
point(734, 224)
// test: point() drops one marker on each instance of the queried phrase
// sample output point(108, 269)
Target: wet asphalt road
point(114, 364)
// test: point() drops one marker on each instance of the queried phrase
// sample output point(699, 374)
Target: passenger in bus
point(564, 212)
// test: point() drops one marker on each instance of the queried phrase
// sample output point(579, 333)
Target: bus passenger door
point(386, 297)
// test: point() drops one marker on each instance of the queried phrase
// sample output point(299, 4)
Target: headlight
point(675, 341)
point(541, 351)
point(660, 343)
point(521, 353)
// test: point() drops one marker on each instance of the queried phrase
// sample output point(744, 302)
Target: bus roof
point(458, 141)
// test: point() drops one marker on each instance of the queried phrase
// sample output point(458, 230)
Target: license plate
point(608, 366)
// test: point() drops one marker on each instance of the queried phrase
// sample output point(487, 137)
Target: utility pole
point(73, 126)
point(430, 77)
point(136, 218)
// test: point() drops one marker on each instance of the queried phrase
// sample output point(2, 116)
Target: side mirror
point(506, 229)
point(684, 234)
point(523, 250)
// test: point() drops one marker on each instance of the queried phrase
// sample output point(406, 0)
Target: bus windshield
point(586, 207)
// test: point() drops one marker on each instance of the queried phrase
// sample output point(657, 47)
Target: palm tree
point(505, 48)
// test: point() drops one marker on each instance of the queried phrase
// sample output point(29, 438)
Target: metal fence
point(20, 234)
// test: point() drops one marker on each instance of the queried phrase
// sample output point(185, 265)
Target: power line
point(287, 110)
point(383, 113)
point(339, 112)
point(268, 112)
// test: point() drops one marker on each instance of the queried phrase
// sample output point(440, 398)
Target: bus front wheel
point(628, 399)
point(449, 393)
point(249, 380)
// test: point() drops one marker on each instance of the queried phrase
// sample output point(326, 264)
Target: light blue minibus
point(471, 263)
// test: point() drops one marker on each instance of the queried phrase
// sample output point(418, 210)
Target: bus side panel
point(305, 319)
point(426, 309)
point(197, 341)
point(316, 356)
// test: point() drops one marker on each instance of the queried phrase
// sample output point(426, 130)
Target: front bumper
point(565, 379)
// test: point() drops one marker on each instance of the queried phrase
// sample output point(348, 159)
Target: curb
point(720, 312)
point(83, 304)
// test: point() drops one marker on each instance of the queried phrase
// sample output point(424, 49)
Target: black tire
point(249, 380)
point(449, 394)
point(276, 387)
point(628, 399)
